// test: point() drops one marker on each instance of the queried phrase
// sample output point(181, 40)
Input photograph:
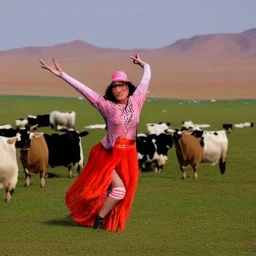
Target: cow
point(227, 127)
point(39, 121)
point(248, 124)
point(5, 126)
point(21, 123)
point(243, 125)
point(189, 151)
point(35, 158)
point(8, 165)
point(190, 125)
point(153, 150)
point(215, 147)
point(12, 132)
point(66, 150)
point(62, 120)
point(96, 126)
point(157, 128)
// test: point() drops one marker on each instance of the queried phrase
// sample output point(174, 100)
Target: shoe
point(98, 222)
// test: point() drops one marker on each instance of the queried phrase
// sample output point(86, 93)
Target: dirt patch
point(170, 78)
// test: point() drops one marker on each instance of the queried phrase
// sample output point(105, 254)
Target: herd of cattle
point(39, 151)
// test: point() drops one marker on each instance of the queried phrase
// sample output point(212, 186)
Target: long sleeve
point(93, 97)
point(141, 90)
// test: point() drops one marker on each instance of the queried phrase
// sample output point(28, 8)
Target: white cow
point(62, 120)
point(190, 124)
point(95, 126)
point(5, 126)
point(8, 165)
point(157, 128)
point(21, 123)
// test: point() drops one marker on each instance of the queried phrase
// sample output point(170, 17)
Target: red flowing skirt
point(88, 193)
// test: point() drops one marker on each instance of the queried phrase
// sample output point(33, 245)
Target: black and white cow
point(157, 128)
point(227, 127)
point(66, 150)
point(39, 121)
point(190, 125)
point(153, 150)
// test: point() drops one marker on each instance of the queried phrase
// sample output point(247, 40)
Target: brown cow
point(189, 150)
point(35, 159)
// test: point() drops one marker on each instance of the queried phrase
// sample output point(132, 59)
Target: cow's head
point(176, 135)
point(24, 142)
point(26, 136)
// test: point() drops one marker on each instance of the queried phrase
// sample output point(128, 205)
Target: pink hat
point(119, 76)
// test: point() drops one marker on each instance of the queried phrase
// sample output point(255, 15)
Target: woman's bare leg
point(110, 202)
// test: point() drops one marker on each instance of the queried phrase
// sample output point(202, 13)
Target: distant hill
point(240, 45)
point(216, 46)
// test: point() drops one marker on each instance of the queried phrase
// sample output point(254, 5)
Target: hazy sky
point(122, 24)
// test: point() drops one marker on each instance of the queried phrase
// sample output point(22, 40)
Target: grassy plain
point(215, 215)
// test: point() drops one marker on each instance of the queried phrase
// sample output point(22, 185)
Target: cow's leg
point(70, 171)
point(222, 165)
point(8, 195)
point(27, 177)
point(141, 161)
point(156, 165)
point(42, 178)
point(184, 174)
point(80, 167)
point(195, 176)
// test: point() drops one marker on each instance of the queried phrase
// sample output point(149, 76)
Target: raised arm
point(88, 93)
point(141, 90)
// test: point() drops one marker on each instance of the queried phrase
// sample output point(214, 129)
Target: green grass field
point(215, 215)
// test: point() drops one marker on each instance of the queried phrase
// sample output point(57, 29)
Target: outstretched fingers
point(56, 64)
point(137, 56)
point(137, 60)
point(44, 65)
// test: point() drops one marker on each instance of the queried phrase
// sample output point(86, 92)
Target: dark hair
point(109, 93)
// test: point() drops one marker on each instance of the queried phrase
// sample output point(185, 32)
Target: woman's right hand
point(55, 69)
point(137, 60)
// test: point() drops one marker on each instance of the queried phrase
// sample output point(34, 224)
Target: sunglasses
point(118, 87)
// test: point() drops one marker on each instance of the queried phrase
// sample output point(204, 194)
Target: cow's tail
point(222, 165)
point(223, 159)
point(81, 161)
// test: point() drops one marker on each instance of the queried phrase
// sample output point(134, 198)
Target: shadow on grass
point(53, 175)
point(66, 222)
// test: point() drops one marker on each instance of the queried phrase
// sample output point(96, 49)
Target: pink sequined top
point(121, 119)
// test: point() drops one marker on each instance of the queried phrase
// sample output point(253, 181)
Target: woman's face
point(121, 92)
